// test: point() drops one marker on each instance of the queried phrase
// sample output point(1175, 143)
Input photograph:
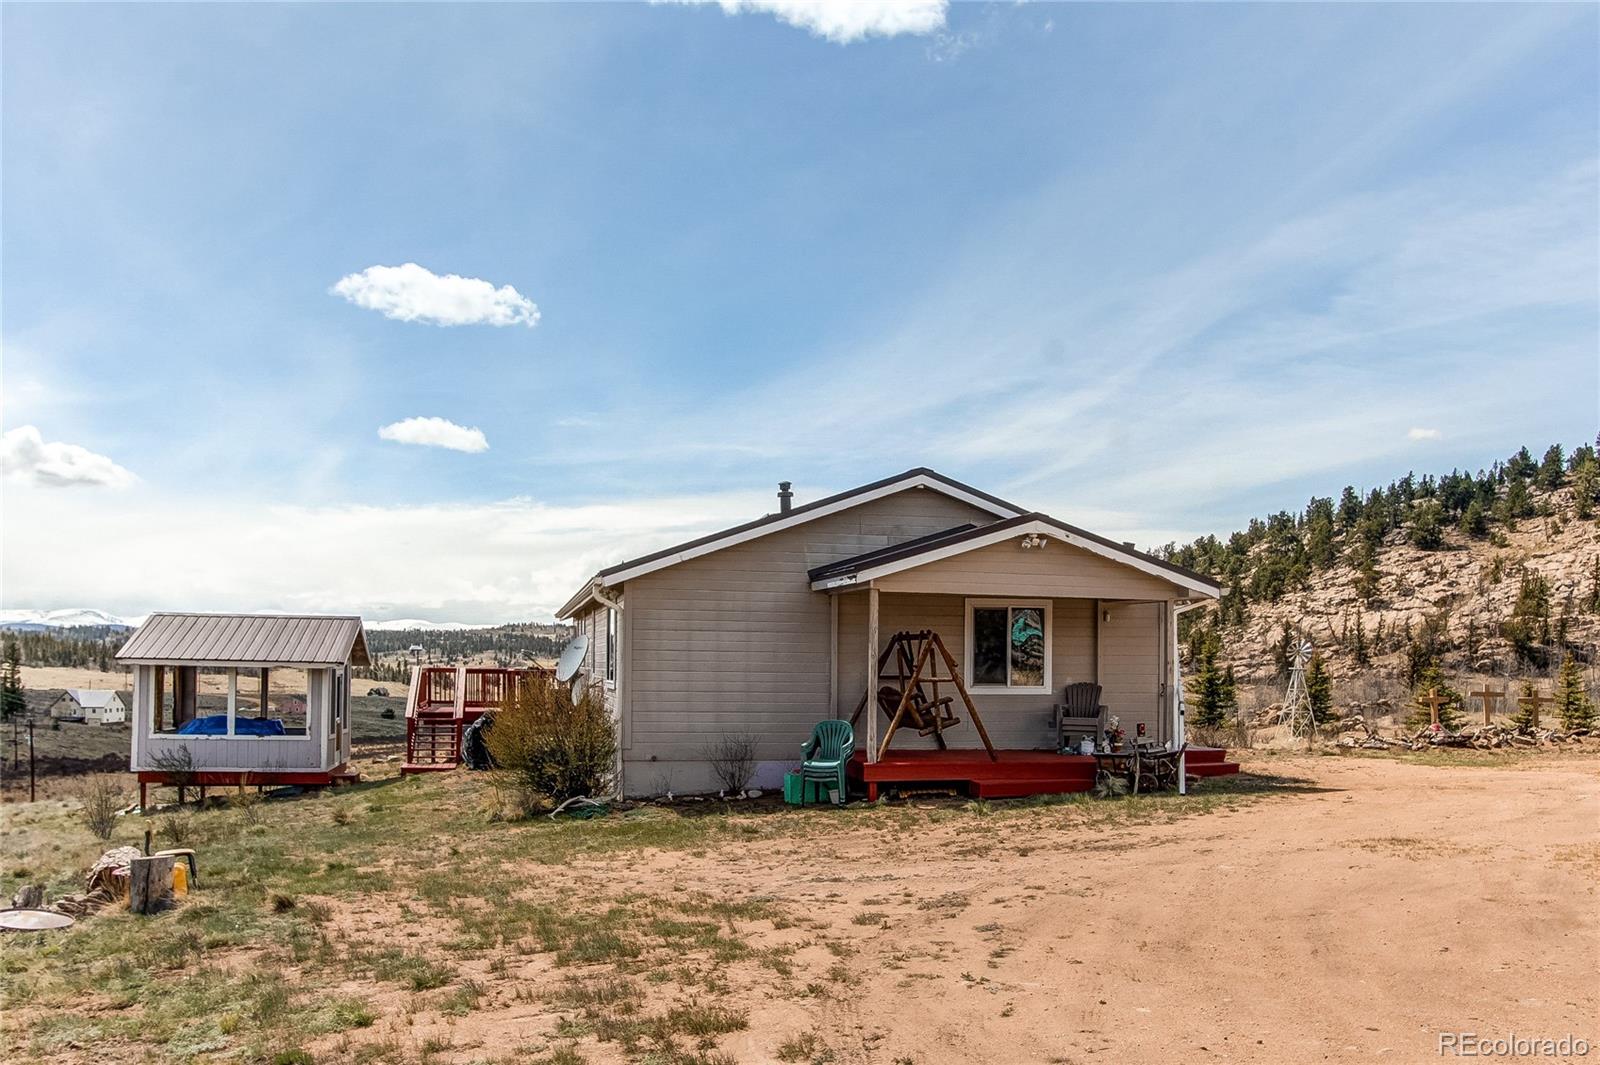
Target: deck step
point(1016, 789)
point(1210, 769)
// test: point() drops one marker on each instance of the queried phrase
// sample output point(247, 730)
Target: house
point(233, 699)
point(763, 629)
point(91, 706)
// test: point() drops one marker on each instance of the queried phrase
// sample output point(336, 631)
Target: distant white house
point(92, 706)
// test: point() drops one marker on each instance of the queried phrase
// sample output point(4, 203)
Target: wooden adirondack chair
point(825, 755)
point(1081, 714)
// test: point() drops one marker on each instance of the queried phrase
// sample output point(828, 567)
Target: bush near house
point(550, 747)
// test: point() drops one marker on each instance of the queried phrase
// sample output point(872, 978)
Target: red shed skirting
point(1016, 773)
point(265, 778)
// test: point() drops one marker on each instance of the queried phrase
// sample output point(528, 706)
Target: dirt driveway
point(1354, 919)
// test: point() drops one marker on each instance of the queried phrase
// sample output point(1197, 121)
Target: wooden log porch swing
point(916, 657)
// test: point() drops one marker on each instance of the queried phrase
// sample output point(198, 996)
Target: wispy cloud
point(435, 432)
point(845, 21)
point(26, 456)
point(1423, 434)
point(413, 293)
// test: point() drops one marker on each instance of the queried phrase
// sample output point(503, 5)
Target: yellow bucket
point(180, 878)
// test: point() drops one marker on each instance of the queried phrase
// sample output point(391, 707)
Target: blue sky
point(1151, 268)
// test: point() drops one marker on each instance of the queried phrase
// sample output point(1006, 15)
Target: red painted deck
point(1015, 774)
point(443, 701)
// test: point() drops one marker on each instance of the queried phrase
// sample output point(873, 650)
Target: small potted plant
point(1115, 733)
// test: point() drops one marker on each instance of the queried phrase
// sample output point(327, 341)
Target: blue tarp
point(217, 725)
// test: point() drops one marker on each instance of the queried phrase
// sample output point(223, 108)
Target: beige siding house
point(766, 628)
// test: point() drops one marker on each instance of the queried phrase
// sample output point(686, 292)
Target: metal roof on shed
point(256, 639)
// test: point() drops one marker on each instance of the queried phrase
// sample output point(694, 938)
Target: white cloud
point(414, 293)
point(1423, 434)
point(27, 457)
point(844, 21)
point(509, 560)
point(435, 432)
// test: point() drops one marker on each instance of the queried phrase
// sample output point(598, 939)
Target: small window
point(611, 645)
point(1008, 645)
point(288, 695)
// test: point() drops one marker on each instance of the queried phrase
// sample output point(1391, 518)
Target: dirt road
point(1352, 921)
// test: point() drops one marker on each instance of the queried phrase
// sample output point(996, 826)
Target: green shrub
point(550, 747)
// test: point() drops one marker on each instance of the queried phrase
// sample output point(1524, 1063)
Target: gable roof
point(96, 699)
point(961, 539)
point(248, 639)
point(921, 477)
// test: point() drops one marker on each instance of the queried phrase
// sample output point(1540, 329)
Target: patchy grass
point(270, 955)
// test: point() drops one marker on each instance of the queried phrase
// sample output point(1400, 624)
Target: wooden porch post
point(833, 655)
point(1178, 736)
point(872, 672)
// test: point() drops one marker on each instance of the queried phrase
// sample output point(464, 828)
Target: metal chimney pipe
point(785, 497)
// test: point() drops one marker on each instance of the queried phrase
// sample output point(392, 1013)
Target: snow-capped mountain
point(62, 619)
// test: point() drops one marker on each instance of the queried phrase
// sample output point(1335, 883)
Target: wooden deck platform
point(1015, 774)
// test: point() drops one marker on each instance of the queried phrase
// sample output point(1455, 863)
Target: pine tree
point(1367, 577)
point(1552, 468)
point(1585, 487)
point(1230, 693)
point(1358, 647)
point(1475, 521)
point(1572, 698)
point(1594, 586)
point(1207, 690)
point(1319, 689)
point(1523, 718)
point(12, 701)
point(1425, 528)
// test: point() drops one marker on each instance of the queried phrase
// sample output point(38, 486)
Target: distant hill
point(1494, 572)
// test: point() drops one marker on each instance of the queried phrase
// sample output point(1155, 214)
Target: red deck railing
point(443, 700)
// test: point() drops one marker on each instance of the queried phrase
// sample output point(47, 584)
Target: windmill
point(1296, 703)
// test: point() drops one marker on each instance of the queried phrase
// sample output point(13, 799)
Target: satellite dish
point(571, 660)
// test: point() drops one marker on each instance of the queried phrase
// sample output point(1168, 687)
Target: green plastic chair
point(825, 755)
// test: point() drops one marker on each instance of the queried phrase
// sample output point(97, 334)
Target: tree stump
point(150, 883)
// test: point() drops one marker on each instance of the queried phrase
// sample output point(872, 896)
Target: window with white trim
point(1008, 645)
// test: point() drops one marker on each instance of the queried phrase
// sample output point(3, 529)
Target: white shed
point(230, 699)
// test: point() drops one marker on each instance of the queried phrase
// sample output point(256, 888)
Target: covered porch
point(1022, 610)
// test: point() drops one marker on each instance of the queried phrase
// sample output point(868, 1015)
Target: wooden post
point(872, 671)
point(833, 656)
point(1491, 698)
point(150, 883)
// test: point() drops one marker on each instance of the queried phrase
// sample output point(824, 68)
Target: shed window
point(1008, 645)
point(176, 697)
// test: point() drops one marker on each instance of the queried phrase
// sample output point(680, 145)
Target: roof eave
point(985, 536)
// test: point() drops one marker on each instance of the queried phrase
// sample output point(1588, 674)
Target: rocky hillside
point(1439, 570)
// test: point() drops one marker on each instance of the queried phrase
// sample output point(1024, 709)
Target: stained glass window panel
point(1027, 647)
